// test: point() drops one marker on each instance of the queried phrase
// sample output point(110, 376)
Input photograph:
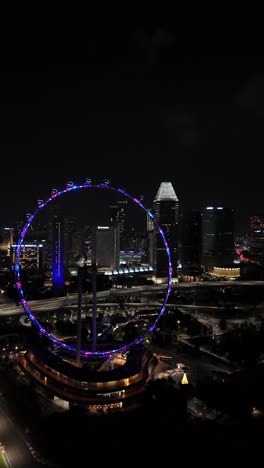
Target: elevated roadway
point(71, 300)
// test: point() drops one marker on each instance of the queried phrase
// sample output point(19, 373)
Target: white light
point(209, 207)
point(219, 208)
point(103, 227)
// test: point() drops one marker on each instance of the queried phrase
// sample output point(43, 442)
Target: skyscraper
point(119, 215)
point(107, 246)
point(191, 242)
point(166, 210)
point(6, 238)
point(256, 237)
point(217, 237)
point(58, 253)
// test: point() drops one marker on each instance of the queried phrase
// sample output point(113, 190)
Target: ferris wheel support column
point(79, 318)
point(94, 269)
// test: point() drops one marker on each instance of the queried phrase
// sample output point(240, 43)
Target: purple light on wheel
point(25, 305)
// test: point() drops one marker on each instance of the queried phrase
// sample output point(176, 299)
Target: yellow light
point(184, 379)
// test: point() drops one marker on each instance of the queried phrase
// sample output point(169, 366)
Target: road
point(52, 304)
point(19, 454)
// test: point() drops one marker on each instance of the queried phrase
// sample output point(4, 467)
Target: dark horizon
point(138, 107)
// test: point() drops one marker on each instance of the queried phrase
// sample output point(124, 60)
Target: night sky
point(139, 107)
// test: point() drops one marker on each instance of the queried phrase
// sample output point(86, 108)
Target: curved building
point(97, 385)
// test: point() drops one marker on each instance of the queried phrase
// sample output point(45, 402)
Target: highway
point(54, 303)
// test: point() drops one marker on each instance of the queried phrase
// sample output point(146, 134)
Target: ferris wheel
point(70, 187)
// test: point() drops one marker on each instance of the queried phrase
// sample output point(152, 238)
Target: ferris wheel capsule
point(105, 182)
point(54, 192)
point(69, 185)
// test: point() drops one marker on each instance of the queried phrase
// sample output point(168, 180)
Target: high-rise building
point(256, 238)
point(74, 237)
point(6, 238)
point(31, 256)
point(58, 253)
point(217, 237)
point(150, 239)
point(107, 246)
point(150, 223)
point(119, 215)
point(191, 242)
point(122, 207)
point(166, 210)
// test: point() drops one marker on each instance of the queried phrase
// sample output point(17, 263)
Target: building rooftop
point(166, 192)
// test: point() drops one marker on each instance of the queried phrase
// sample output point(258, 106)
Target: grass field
point(2, 461)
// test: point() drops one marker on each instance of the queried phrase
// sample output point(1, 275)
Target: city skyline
point(102, 213)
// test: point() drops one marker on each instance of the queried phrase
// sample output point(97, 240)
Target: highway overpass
point(71, 300)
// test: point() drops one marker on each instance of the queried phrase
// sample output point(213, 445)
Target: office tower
point(6, 238)
point(166, 211)
point(31, 256)
point(150, 223)
point(256, 238)
point(217, 237)
point(119, 215)
point(69, 251)
point(107, 246)
point(191, 242)
point(122, 208)
point(150, 241)
point(74, 237)
point(58, 254)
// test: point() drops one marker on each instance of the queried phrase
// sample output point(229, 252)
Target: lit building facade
point(6, 238)
point(166, 212)
point(31, 256)
point(227, 273)
point(58, 253)
point(119, 215)
point(217, 237)
point(256, 238)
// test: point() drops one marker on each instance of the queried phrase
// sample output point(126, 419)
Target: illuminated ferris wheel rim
point(41, 204)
